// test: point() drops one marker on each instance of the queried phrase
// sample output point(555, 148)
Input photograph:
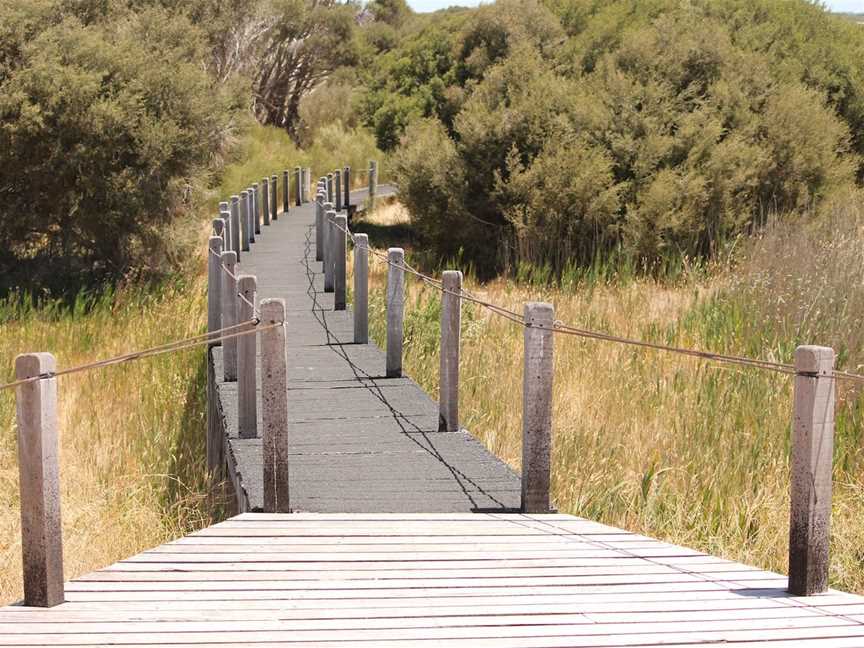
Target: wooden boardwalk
point(407, 536)
point(359, 442)
point(398, 580)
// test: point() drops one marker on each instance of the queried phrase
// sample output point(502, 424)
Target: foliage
point(106, 124)
point(659, 128)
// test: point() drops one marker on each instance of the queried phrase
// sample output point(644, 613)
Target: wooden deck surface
point(396, 580)
point(360, 442)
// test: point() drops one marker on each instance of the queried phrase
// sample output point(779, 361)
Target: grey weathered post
point(229, 315)
point(537, 407)
point(250, 215)
point(319, 215)
point(331, 194)
point(373, 182)
point(225, 215)
point(329, 248)
point(325, 250)
point(274, 205)
point(361, 289)
point(340, 227)
point(214, 286)
point(219, 229)
point(244, 222)
point(395, 310)
point(451, 325)
point(39, 480)
point(256, 201)
point(346, 181)
point(337, 178)
point(274, 406)
point(812, 453)
point(286, 198)
point(297, 181)
point(308, 184)
point(265, 200)
point(246, 352)
point(235, 225)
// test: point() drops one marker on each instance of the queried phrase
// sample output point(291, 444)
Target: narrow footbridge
point(366, 515)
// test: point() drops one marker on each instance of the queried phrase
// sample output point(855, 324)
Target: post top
point(254, 185)
point(29, 365)
point(540, 313)
point(218, 224)
point(272, 310)
point(814, 359)
point(395, 251)
point(246, 278)
point(216, 243)
point(361, 237)
point(235, 199)
point(342, 218)
point(243, 193)
point(223, 205)
point(229, 257)
point(451, 273)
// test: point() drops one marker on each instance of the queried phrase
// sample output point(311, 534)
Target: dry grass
point(685, 451)
point(132, 474)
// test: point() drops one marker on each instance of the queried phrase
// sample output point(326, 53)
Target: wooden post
point(219, 229)
point(225, 215)
point(265, 200)
point(812, 454)
point(286, 199)
point(39, 480)
point(246, 356)
point(235, 225)
point(306, 184)
point(297, 182)
point(346, 181)
point(229, 315)
point(250, 216)
point(319, 215)
point(256, 207)
point(274, 405)
point(244, 222)
point(451, 328)
point(337, 178)
point(214, 286)
point(361, 289)
point(373, 182)
point(340, 226)
point(329, 248)
point(537, 407)
point(274, 206)
point(395, 310)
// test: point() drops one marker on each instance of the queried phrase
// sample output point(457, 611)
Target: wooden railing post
point(256, 207)
point(331, 194)
point(337, 178)
point(812, 455)
point(225, 215)
point(395, 310)
point(265, 200)
point(250, 216)
point(451, 328)
point(319, 216)
point(373, 182)
point(329, 248)
point(537, 407)
point(307, 183)
point(274, 205)
point(244, 221)
point(39, 480)
point(361, 289)
point(340, 226)
point(274, 405)
point(229, 315)
point(286, 198)
point(297, 181)
point(246, 360)
point(219, 230)
point(346, 181)
point(214, 286)
point(235, 225)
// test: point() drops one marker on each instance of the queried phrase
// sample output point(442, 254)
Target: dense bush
point(106, 120)
point(660, 128)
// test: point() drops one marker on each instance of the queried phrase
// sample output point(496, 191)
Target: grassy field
point(687, 451)
point(132, 436)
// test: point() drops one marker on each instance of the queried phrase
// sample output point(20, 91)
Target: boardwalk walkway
point(359, 442)
point(393, 548)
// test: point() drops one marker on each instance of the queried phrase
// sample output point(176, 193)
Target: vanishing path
point(360, 442)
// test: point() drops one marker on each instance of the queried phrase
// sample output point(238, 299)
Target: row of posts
point(36, 401)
